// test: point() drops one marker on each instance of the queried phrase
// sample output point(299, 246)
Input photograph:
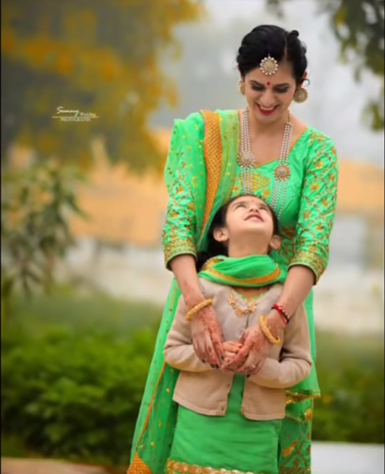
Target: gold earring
point(241, 86)
point(300, 95)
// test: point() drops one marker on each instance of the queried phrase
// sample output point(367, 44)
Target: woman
point(227, 421)
point(214, 156)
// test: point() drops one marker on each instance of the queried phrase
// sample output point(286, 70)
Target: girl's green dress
point(230, 443)
point(202, 173)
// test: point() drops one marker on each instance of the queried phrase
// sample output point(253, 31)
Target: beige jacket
point(205, 390)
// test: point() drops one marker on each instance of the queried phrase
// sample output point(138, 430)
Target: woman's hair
point(272, 40)
point(214, 247)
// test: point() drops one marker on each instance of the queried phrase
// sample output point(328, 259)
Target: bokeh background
point(83, 205)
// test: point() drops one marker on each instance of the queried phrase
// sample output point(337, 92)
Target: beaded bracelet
point(282, 313)
point(197, 308)
point(267, 333)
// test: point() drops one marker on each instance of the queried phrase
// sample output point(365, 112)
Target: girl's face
point(269, 97)
point(249, 216)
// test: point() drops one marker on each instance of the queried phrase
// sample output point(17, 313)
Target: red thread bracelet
point(282, 313)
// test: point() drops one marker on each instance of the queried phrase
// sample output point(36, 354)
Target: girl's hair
point(214, 247)
point(272, 40)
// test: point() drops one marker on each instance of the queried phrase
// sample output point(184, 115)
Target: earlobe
point(220, 235)
point(275, 243)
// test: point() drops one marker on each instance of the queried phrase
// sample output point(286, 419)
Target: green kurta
point(308, 202)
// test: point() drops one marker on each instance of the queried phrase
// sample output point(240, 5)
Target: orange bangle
point(267, 333)
point(197, 308)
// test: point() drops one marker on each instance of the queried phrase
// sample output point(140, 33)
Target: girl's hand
point(207, 337)
point(231, 348)
point(255, 346)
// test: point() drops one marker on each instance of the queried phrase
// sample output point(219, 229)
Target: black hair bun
point(265, 40)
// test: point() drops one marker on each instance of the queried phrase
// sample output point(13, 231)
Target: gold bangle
point(267, 333)
point(197, 308)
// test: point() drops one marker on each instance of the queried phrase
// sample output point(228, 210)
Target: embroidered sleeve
point(318, 204)
point(179, 228)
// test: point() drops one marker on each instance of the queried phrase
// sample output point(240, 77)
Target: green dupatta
point(213, 164)
point(255, 271)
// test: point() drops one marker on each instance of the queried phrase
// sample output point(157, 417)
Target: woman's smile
point(267, 110)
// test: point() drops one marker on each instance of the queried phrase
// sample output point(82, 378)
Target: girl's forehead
point(249, 199)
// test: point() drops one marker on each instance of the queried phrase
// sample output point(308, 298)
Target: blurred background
point(89, 93)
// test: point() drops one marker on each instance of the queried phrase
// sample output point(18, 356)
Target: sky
point(335, 100)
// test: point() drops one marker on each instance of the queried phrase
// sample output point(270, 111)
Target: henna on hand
point(207, 336)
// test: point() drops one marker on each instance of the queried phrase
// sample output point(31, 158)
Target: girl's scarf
point(249, 272)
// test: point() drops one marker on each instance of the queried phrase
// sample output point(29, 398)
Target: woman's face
point(248, 215)
point(269, 97)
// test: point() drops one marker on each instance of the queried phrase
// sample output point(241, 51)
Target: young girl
point(231, 422)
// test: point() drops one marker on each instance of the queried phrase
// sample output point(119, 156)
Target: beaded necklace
point(247, 162)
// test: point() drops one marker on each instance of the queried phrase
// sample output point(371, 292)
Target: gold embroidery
point(310, 259)
point(251, 281)
point(292, 397)
point(286, 452)
point(317, 209)
point(295, 440)
point(260, 181)
point(175, 467)
point(309, 414)
point(138, 467)
point(213, 158)
point(249, 308)
point(179, 247)
point(295, 470)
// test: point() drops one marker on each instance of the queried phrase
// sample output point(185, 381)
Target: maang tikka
point(268, 66)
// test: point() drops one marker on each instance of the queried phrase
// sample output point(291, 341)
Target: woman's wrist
point(193, 298)
point(275, 322)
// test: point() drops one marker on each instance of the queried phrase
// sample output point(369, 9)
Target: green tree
point(35, 203)
point(359, 27)
point(99, 57)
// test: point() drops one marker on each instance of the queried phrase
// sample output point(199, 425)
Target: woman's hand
point(255, 346)
point(205, 328)
point(207, 336)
